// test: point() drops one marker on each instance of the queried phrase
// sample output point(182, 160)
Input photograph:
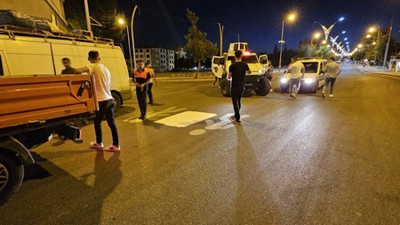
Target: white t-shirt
point(295, 70)
point(102, 78)
point(332, 69)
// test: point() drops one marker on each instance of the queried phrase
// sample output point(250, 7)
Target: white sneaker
point(330, 96)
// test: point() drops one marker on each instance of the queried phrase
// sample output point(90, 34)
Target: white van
point(313, 76)
point(24, 52)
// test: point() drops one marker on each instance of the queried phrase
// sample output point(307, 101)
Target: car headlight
point(309, 80)
point(260, 71)
point(284, 80)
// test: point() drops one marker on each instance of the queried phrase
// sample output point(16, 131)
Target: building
point(50, 10)
point(161, 59)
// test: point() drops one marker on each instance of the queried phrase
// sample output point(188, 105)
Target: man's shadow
point(60, 198)
point(253, 198)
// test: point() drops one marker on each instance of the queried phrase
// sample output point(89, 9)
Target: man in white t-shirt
point(102, 78)
point(296, 70)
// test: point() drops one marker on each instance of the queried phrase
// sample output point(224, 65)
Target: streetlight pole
point(221, 37)
point(133, 37)
point(129, 46)
point(387, 44)
point(89, 28)
point(281, 42)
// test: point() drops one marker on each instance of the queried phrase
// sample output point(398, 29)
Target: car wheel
point(263, 87)
point(117, 101)
point(11, 176)
point(284, 88)
point(225, 88)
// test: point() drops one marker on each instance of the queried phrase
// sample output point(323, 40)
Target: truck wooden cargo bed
point(36, 99)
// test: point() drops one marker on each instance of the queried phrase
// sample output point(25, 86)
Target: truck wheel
point(225, 88)
point(117, 101)
point(263, 87)
point(11, 176)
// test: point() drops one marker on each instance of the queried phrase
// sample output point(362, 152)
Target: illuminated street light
point(122, 22)
point(329, 29)
point(324, 42)
point(345, 39)
point(371, 30)
point(343, 32)
point(359, 46)
point(374, 43)
point(368, 36)
point(317, 35)
point(291, 17)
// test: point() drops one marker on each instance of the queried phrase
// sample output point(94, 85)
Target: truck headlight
point(309, 80)
point(284, 80)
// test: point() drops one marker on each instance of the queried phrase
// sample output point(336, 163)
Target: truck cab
point(257, 80)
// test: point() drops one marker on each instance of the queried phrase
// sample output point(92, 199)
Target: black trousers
point(331, 81)
point(141, 97)
point(236, 95)
point(150, 86)
point(106, 108)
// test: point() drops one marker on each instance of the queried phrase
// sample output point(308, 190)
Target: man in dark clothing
point(237, 72)
point(141, 77)
point(68, 69)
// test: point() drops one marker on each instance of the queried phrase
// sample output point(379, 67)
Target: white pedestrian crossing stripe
point(185, 119)
point(151, 114)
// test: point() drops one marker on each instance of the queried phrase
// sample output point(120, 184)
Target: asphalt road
point(304, 161)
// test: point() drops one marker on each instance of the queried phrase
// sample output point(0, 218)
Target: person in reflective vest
point(141, 77)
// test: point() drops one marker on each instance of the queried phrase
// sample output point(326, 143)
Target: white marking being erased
point(185, 119)
point(224, 123)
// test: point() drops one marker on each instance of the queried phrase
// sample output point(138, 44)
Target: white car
point(313, 76)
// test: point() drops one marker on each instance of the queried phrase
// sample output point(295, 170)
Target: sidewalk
point(378, 70)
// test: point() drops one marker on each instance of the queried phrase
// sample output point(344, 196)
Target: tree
point(305, 51)
point(104, 11)
point(324, 52)
point(197, 44)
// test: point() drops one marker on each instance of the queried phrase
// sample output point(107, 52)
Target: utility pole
point(221, 38)
point(387, 44)
point(281, 42)
point(133, 38)
point(238, 37)
point(129, 46)
point(89, 28)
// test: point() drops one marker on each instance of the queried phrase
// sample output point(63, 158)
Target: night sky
point(164, 23)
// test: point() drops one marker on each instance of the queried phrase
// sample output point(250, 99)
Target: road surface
point(304, 161)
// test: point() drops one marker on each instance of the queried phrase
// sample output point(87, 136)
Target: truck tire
point(225, 88)
point(117, 101)
point(11, 176)
point(263, 87)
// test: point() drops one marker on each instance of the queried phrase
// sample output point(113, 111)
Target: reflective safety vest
point(142, 74)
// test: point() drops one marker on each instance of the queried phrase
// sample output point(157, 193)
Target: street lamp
point(368, 36)
point(290, 18)
point(328, 30)
point(324, 42)
point(315, 36)
point(122, 22)
point(373, 29)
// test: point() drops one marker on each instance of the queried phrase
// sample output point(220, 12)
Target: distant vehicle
point(313, 77)
point(25, 51)
point(257, 80)
point(32, 108)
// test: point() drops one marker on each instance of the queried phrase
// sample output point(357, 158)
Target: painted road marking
point(185, 119)
point(163, 113)
point(224, 123)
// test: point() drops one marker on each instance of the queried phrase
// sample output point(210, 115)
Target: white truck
point(257, 80)
point(25, 51)
point(313, 77)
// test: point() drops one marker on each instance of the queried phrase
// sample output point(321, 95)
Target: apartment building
point(161, 59)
